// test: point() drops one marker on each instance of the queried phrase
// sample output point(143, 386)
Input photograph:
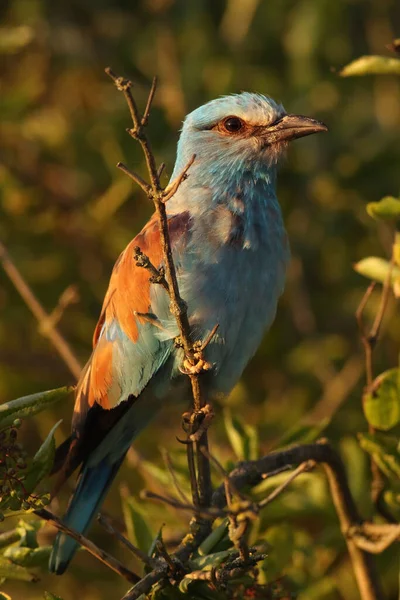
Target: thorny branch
point(200, 482)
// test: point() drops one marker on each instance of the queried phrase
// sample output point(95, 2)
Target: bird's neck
point(235, 195)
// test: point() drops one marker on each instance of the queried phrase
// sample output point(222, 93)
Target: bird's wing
point(127, 347)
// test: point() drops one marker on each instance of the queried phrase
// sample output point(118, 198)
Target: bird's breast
point(232, 275)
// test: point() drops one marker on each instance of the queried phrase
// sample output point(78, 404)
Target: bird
point(230, 251)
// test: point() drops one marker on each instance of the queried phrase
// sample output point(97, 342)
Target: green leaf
point(215, 537)
point(243, 438)
point(371, 65)
point(29, 557)
point(9, 570)
point(51, 596)
point(4, 596)
point(139, 533)
point(9, 537)
point(205, 563)
point(382, 405)
point(377, 269)
point(385, 451)
point(27, 532)
point(28, 406)
point(198, 591)
point(387, 209)
point(152, 549)
point(42, 461)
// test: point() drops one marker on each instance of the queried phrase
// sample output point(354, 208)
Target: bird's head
point(241, 129)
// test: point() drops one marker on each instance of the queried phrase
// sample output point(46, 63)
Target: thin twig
point(369, 341)
point(100, 554)
point(173, 187)
point(46, 328)
point(160, 170)
point(142, 556)
point(251, 473)
point(364, 334)
point(69, 296)
point(205, 512)
point(225, 476)
point(146, 583)
point(306, 466)
point(178, 307)
point(136, 178)
point(375, 538)
point(150, 99)
point(156, 275)
point(209, 338)
point(376, 327)
point(171, 470)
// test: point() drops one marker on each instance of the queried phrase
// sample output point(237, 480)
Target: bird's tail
point(93, 485)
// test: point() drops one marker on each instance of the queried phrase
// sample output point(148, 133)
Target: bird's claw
point(194, 368)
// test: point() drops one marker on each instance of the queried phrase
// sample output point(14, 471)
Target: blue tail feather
point(93, 485)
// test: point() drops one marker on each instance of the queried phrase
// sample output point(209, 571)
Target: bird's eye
point(232, 125)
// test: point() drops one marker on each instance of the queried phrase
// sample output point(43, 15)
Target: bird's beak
point(290, 127)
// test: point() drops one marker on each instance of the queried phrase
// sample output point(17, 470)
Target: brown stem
point(100, 554)
point(369, 341)
point(302, 468)
point(145, 584)
point(251, 473)
point(178, 307)
point(46, 327)
point(142, 556)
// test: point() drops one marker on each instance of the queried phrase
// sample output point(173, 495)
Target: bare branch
point(369, 341)
point(46, 328)
point(178, 307)
point(144, 585)
point(387, 286)
point(253, 472)
point(150, 99)
point(160, 170)
point(306, 466)
point(142, 556)
point(171, 470)
point(209, 338)
point(173, 187)
point(205, 512)
point(101, 555)
point(156, 275)
point(373, 537)
point(69, 296)
point(136, 178)
point(124, 85)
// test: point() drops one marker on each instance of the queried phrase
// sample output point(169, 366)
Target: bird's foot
point(195, 423)
point(203, 417)
point(190, 367)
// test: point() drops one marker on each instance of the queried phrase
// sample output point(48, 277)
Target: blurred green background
point(66, 212)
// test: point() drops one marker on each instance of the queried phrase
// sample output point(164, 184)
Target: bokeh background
point(66, 212)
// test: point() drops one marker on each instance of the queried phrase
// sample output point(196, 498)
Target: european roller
point(230, 250)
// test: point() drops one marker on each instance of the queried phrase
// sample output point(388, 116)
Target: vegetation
point(67, 212)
